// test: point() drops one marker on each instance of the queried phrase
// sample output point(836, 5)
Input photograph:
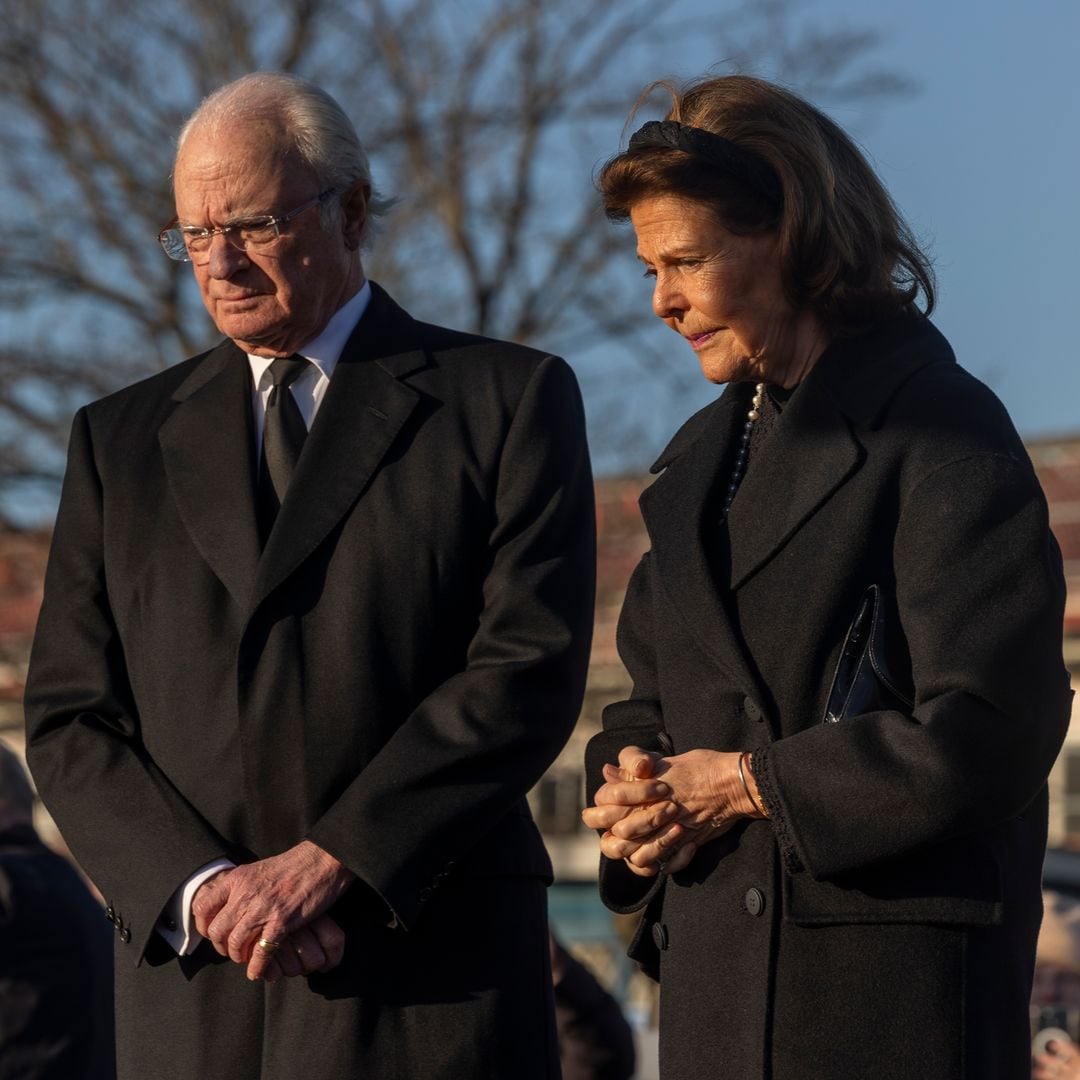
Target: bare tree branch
point(487, 117)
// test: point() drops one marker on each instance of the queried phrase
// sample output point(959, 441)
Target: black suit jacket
point(883, 922)
point(388, 677)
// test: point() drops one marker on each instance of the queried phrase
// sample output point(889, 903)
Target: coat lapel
point(816, 447)
point(809, 455)
point(680, 511)
point(365, 407)
point(208, 433)
point(814, 450)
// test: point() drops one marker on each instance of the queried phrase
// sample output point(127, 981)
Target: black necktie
point(283, 438)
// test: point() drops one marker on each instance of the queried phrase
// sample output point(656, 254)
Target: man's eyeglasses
point(189, 243)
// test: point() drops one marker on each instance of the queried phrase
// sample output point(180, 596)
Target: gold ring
point(269, 946)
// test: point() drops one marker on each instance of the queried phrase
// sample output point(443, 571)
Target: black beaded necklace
point(744, 448)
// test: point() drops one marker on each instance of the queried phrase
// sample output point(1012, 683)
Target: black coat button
point(751, 708)
point(125, 935)
point(425, 894)
point(754, 900)
point(659, 935)
point(110, 914)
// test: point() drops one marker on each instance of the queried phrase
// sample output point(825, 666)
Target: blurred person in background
point(56, 1008)
point(1055, 995)
point(1059, 1061)
point(1057, 955)
point(828, 786)
point(595, 1040)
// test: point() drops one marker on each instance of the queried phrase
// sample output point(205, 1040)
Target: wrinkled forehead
point(237, 168)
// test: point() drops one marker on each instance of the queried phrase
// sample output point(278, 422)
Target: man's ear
point(354, 213)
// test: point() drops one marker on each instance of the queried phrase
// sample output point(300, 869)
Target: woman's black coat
point(883, 922)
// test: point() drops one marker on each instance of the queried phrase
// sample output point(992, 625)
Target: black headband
point(715, 149)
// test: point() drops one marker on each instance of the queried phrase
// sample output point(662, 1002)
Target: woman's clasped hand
point(656, 812)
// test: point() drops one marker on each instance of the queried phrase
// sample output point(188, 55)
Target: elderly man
point(317, 615)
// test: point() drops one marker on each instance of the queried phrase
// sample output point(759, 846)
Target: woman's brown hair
point(845, 251)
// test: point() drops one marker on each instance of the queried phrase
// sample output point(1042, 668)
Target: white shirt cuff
point(176, 924)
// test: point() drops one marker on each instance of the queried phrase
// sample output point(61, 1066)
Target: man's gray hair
point(320, 132)
point(16, 794)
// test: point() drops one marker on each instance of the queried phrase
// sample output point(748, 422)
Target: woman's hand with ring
point(669, 851)
point(656, 811)
point(632, 798)
point(652, 825)
point(705, 786)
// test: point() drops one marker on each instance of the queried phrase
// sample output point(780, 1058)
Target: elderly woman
point(828, 786)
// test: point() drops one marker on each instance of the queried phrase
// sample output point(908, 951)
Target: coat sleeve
point(83, 731)
point(980, 595)
point(475, 745)
point(637, 721)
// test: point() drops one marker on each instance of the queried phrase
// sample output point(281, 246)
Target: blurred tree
point(486, 118)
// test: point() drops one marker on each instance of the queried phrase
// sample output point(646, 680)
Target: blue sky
point(984, 161)
point(983, 158)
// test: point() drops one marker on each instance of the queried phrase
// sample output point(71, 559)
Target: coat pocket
point(957, 883)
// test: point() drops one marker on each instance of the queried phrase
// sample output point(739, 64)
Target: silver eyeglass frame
point(174, 238)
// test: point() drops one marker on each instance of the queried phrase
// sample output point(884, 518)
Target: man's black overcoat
point(883, 923)
point(387, 678)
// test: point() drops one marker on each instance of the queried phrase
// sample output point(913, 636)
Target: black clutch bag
point(874, 669)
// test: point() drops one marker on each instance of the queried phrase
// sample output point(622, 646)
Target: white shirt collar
point(324, 350)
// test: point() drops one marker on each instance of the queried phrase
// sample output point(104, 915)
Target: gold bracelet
point(757, 801)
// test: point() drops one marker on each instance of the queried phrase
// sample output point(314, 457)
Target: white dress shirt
point(323, 352)
point(176, 924)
